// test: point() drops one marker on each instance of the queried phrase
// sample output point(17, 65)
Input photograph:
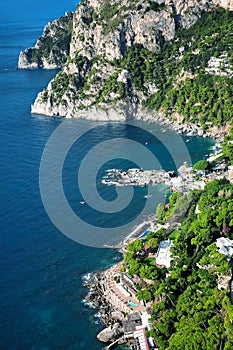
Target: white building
point(224, 282)
point(163, 256)
point(230, 173)
point(140, 338)
point(225, 246)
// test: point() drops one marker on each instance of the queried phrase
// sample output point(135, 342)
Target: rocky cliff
point(52, 49)
point(115, 58)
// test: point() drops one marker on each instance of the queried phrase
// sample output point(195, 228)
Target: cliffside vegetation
point(189, 310)
point(228, 147)
point(52, 47)
point(145, 53)
point(200, 97)
point(177, 72)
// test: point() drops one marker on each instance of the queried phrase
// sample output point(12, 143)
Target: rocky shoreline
point(216, 134)
point(117, 114)
point(109, 316)
point(105, 288)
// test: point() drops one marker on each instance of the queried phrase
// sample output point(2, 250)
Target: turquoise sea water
point(42, 270)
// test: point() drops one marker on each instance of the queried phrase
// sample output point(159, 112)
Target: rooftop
point(133, 320)
point(163, 255)
point(225, 246)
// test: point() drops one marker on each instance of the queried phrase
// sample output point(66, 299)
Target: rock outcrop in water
point(96, 80)
point(110, 333)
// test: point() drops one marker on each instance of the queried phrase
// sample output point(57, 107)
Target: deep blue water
point(41, 269)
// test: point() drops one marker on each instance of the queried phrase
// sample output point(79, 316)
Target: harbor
point(137, 177)
point(184, 181)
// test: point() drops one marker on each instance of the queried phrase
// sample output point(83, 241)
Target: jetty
point(137, 177)
point(185, 180)
point(117, 341)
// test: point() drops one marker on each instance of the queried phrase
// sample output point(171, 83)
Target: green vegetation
point(201, 165)
point(55, 48)
point(200, 98)
point(189, 311)
point(176, 71)
point(109, 9)
point(177, 207)
point(45, 95)
point(90, 16)
point(154, 6)
point(111, 15)
point(63, 82)
point(227, 147)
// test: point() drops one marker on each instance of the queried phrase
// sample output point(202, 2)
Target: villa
point(128, 284)
point(140, 339)
point(135, 327)
point(129, 325)
point(163, 257)
point(225, 246)
point(230, 173)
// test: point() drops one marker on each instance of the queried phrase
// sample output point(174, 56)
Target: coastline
point(119, 114)
point(39, 310)
point(186, 129)
point(112, 304)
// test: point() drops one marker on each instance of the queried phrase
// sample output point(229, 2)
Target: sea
point(42, 265)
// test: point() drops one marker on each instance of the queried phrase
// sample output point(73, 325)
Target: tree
point(134, 267)
point(145, 295)
point(201, 165)
point(160, 210)
point(135, 246)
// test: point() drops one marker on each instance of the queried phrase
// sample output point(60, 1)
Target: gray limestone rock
point(89, 35)
point(52, 48)
point(110, 333)
point(117, 315)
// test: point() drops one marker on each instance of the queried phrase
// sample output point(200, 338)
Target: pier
point(137, 177)
point(110, 346)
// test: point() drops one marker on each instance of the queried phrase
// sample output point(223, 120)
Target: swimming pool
point(145, 233)
point(130, 303)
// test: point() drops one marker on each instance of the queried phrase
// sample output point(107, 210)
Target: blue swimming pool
point(145, 233)
point(130, 303)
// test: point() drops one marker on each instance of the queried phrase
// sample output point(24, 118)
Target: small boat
point(187, 140)
point(82, 202)
point(148, 196)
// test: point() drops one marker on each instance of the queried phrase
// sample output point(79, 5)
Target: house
point(224, 282)
point(225, 246)
point(129, 325)
point(230, 173)
point(128, 284)
point(135, 327)
point(163, 256)
point(197, 210)
point(140, 339)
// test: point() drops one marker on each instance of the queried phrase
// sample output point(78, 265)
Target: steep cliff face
point(52, 49)
point(109, 28)
point(110, 39)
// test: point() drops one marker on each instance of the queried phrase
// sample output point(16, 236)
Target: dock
point(110, 346)
point(137, 177)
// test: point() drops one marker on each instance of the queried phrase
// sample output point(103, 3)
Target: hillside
point(133, 58)
point(191, 299)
